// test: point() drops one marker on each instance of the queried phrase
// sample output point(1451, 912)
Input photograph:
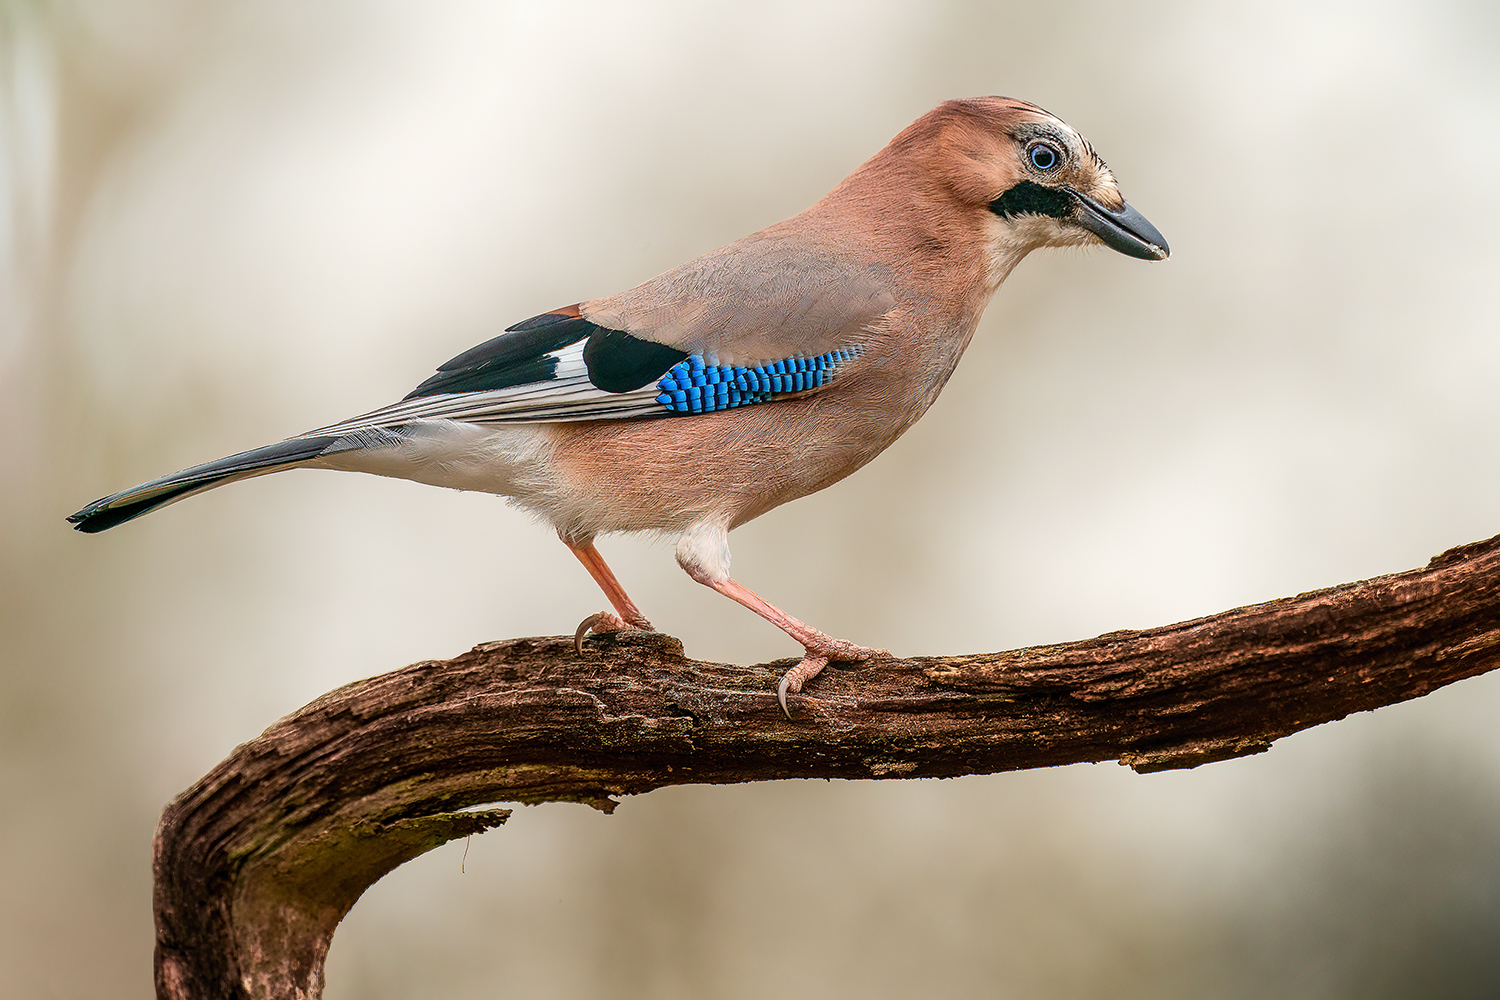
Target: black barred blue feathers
point(694, 386)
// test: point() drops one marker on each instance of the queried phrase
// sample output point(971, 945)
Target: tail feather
point(132, 503)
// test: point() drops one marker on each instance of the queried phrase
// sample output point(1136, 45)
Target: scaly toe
point(827, 650)
point(840, 651)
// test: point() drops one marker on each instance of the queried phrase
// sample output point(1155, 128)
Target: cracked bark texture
point(256, 864)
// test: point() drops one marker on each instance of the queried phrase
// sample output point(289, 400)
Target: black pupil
point(1043, 157)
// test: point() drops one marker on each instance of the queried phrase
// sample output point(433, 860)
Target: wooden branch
point(256, 864)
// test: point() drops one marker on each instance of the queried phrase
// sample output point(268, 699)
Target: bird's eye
point(1043, 156)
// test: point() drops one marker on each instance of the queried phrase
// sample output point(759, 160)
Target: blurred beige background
point(223, 223)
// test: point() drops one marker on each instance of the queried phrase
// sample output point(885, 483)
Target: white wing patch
point(567, 395)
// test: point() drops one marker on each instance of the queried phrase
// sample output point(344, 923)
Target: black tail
point(142, 499)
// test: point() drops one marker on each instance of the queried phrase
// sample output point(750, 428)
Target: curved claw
point(812, 664)
point(604, 621)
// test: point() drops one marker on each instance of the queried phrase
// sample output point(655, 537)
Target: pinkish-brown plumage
point(871, 295)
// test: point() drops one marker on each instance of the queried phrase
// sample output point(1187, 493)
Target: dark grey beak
point(1126, 230)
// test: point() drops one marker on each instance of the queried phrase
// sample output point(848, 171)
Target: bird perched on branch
point(756, 374)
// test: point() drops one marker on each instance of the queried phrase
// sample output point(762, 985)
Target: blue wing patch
point(560, 367)
point(694, 386)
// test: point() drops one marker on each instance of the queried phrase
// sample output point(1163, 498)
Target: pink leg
point(820, 649)
point(628, 617)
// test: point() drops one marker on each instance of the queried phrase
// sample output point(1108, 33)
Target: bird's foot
point(607, 621)
point(826, 650)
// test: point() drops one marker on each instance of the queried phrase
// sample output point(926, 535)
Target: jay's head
point(1027, 178)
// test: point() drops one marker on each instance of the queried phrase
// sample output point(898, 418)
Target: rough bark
point(256, 864)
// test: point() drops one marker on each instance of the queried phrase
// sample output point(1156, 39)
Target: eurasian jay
point(756, 374)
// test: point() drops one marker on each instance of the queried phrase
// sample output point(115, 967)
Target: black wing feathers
point(526, 353)
point(516, 357)
point(618, 362)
